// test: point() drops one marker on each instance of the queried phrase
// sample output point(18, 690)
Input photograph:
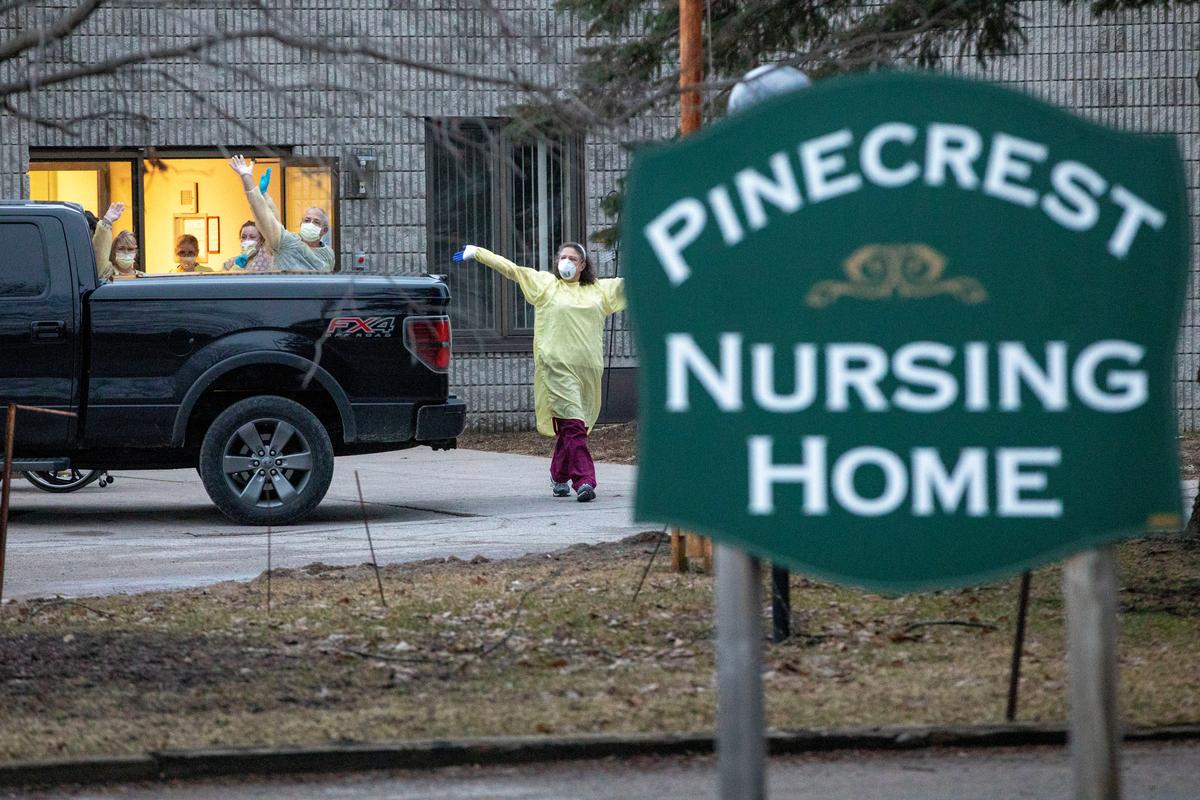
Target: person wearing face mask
point(568, 354)
point(255, 256)
point(187, 250)
point(301, 251)
point(124, 256)
point(102, 239)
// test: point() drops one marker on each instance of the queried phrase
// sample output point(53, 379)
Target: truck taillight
point(428, 338)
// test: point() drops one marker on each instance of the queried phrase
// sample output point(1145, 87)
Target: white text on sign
point(917, 377)
point(893, 155)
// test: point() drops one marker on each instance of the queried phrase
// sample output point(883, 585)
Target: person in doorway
point(301, 251)
point(255, 256)
point(187, 250)
point(124, 256)
point(102, 239)
point(568, 360)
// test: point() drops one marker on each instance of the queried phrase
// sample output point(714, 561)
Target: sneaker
point(585, 493)
point(562, 490)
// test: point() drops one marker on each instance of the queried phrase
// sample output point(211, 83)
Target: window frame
point(335, 197)
point(137, 157)
point(39, 225)
point(507, 337)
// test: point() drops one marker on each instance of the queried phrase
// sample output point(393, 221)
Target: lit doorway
point(202, 197)
point(92, 184)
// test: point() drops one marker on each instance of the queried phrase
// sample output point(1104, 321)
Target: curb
point(511, 750)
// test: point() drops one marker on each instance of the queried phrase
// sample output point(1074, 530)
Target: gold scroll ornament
point(881, 271)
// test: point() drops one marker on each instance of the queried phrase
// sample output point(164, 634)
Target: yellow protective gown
point(102, 241)
point(568, 339)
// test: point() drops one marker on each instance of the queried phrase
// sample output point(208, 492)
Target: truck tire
point(266, 461)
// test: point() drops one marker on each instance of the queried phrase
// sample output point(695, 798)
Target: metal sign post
point(10, 429)
point(741, 746)
point(1014, 674)
point(1090, 591)
point(781, 604)
point(10, 435)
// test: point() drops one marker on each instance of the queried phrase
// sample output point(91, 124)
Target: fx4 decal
point(361, 327)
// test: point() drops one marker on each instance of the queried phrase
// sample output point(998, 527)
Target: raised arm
point(272, 209)
point(269, 226)
point(534, 284)
point(102, 241)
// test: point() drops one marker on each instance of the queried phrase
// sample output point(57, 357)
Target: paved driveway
point(153, 530)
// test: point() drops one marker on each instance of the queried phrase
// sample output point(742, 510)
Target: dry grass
point(614, 444)
point(617, 444)
point(547, 644)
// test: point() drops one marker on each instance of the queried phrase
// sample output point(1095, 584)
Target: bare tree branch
point(69, 125)
point(312, 45)
point(828, 36)
point(40, 37)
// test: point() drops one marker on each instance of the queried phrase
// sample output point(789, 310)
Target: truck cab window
point(23, 269)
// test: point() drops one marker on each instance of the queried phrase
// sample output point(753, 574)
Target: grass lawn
point(615, 444)
point(550, 644)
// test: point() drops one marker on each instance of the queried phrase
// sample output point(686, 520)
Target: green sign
point(908, 331)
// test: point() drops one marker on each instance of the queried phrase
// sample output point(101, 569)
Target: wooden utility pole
point(691, 65)
point(741, 746)
point(691, 73)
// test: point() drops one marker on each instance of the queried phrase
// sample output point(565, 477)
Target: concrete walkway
point(155, 530)
point(1150, 772)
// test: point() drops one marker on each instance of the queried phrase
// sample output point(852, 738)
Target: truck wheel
point(266, 461)
point(67, 480)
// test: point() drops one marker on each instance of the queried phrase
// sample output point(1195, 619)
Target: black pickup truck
point(256, 380)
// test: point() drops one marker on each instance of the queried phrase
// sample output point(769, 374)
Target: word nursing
point(917, 377)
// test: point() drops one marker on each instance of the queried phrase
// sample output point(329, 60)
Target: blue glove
point(264, 181)
point(466, 254)
point(241, 261)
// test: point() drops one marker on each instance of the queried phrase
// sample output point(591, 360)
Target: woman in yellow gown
point(570, 306)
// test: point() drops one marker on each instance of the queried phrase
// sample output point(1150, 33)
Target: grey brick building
point(412, 162)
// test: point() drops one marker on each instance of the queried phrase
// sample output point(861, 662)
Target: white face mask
point(310, 232)
point(248, 245)
point(126, 259)
point(567, 269)
point(187, 261)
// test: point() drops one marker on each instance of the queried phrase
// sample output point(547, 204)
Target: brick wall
point(1138, 72)
point(260, 92)
point(14, 150)
point(1135, 72)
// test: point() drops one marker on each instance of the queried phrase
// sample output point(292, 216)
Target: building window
point(95, 185)
point(518, 194)
point(186, 193)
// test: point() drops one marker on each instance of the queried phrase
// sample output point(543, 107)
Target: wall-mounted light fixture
point(360, 180)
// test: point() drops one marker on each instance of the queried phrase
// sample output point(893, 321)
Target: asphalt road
point(1150, 772)
point(157, 530)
